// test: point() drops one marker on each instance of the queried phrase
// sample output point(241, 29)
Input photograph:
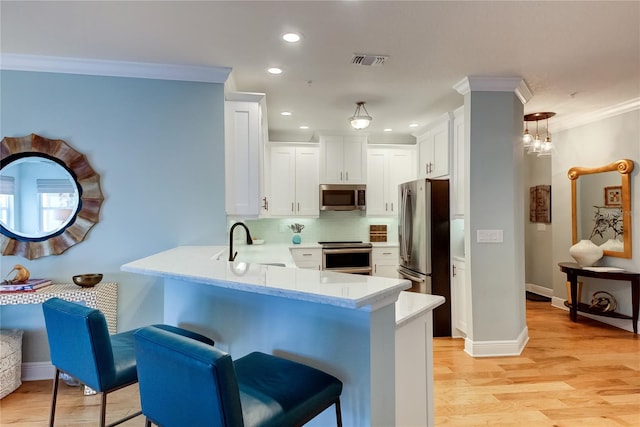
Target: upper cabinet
point(434, 148)
point(343, 159)
point(293, 181)
point(458, 163)
point(386, 168)
point(245, 134)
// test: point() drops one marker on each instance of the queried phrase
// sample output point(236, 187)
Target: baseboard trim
point(497, 348)
point(36, 371)
point(625, 324)
point(540, 290)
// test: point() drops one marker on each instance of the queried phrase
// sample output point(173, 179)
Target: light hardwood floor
point(570, 374)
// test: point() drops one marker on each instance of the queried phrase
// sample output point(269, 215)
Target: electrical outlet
point(284, 228)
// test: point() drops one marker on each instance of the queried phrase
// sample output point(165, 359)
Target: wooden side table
point(103, 296)
point(573, 271)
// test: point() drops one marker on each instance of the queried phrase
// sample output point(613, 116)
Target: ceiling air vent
point(369, 60)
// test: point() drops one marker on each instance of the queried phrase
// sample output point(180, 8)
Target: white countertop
point(411, 305)
point(201, 264)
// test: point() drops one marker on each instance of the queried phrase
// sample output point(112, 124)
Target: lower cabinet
point(459, 297)
point(385, 261)
point(309, 258)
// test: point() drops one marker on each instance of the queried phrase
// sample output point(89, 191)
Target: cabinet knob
point(454, 270)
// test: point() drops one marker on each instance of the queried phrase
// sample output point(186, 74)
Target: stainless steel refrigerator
point(423, 235)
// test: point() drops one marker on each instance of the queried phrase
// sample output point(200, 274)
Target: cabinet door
point(377, 182)
point(242, 158)
point(354, 160)
point(385, 261)
point(402, 168)
point(458, 174)
point(282, 174)
point(459, 297)
point(441, 147)
point(306, 186)
point(332, 160)
point(425, 155)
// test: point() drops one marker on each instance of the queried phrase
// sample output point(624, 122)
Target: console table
point(103, 296)
point(573, 270)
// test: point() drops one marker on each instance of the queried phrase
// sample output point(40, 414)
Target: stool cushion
point(10, 360)
point(282, 391)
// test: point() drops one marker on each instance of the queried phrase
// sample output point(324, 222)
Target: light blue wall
point(159, 149)
point(597, 143)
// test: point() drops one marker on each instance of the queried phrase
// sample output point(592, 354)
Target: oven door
point(347, 260)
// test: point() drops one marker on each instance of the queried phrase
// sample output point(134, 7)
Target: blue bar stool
point(184, 382)
point(80, 346)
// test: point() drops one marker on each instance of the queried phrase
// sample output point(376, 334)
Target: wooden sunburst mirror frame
point(88, 182)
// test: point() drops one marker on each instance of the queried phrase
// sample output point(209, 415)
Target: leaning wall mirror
point(50, 196)
point(601, 206)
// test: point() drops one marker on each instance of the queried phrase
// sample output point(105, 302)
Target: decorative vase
point(586, 253)
point(296, 239)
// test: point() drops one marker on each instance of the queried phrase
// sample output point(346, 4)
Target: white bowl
point(258, 241)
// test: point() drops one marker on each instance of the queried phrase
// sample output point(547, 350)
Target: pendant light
point(360, 120)
point(537, 145)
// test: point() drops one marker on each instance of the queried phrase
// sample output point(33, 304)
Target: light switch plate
point(489, 236)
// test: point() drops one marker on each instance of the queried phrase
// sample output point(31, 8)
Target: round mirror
point(50, 196)
point(39, 197)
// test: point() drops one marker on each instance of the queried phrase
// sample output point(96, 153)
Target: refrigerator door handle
point(411, 277)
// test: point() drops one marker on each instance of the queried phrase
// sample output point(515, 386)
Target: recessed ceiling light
point(388, 130)
point(291, 37)
point(413, 125)
point(304, 127)
point(286, 113)
point(274, 70)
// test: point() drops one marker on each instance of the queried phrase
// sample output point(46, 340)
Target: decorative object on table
point(603, 301)
point(540, 204)
point(21, 275)
point(87, 280)
point(297, 229)
point(378, 233)
point(586, 253)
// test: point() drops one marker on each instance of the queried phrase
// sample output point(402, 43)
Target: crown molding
point(576, 120)
point(495, 84)
point(96, 67)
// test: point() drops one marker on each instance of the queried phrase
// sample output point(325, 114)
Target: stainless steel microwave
point(342, 197)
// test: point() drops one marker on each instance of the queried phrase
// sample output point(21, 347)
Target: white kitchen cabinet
point(385, 261)
point(293, 181)
point(458, 176)
point(434, 147)
point(309, 258)
point(459, 298)
point(386, 168)
point(245, 135)
point(343, 159)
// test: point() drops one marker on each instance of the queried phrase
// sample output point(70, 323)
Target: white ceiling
point(576, 57)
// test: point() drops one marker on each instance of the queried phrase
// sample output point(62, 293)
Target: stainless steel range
point(347, 257)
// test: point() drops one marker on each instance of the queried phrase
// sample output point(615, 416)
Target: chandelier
point(533, 143)
point(360, 119)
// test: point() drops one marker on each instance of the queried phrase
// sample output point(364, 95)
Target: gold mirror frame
point(624, 167)
point(88, 181)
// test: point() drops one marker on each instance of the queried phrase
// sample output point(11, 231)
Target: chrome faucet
point(232, 255)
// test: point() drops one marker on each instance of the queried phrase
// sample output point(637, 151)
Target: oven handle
point(350, 270)
point(406, 275)
point(346, 251)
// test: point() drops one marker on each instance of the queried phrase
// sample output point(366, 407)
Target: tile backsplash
point(330, 226)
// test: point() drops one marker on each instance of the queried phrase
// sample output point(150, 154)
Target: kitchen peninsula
point(341, 323)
